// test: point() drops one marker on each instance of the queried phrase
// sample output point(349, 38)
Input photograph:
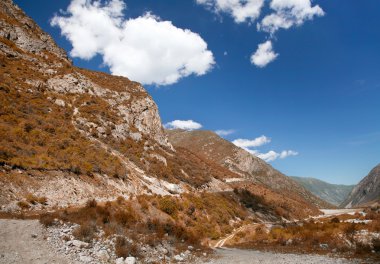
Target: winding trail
point(22, 242)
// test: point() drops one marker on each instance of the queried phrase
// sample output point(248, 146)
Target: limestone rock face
point(366, 192)
point(25, 33)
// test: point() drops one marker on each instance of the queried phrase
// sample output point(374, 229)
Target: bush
point(124, 248)
point(91, 203)
point(376, 244)
point(47, 220)
point(85, 232)
point(335, 220)
point(23, 205)
point(168, 205)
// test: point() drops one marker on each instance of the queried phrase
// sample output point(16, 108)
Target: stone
point(77, 243)
point(120, 261)
point(60, 102)
point(324, 246)
point(190, 247)
point(85, 259)
point(130, 260)
point(178, 258)
point(34, 235)
point(103, 255)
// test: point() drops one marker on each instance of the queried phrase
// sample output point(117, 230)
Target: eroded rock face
point(25, 33)
point(366, 192)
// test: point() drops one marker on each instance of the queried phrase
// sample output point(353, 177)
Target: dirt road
point(237, 256)
point(22, 242)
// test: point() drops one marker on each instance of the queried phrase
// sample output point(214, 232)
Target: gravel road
point(22, 242)
point(237, 256)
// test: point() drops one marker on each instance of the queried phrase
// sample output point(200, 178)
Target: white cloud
point(288, 13)
point(240, 10)
point(251, 143)
point(144, 49)
point(223, 132)
point(264, 54)
point(183, 124)
point(287, 153)
point(272, 155)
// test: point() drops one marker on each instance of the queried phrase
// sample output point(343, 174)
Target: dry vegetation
point(332, 234)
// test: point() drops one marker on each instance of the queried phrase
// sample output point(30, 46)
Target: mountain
point(69, 134)
point(332, 193)
point(247, 166)
point(366, 192)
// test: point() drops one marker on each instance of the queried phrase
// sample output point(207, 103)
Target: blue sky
point(320, 97)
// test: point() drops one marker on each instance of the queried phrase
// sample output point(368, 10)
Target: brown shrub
point(168, 205)
point(376, 244)
point(91, 203)
point(85, 232)
point(23, 205)
point(123, 248)
point(47, 220)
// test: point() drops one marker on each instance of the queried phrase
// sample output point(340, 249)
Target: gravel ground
point(237, 256)
point(22, 242)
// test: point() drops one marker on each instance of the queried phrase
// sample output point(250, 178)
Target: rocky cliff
point(366, 192)
point(68, 133)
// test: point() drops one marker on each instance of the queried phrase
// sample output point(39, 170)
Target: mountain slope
point(332, 193)
point(366, 192)
point(69, 134)
point(209, 145)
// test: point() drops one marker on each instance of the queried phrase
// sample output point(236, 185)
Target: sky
point(295, 82)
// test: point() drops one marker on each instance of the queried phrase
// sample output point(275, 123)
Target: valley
point(89, 174)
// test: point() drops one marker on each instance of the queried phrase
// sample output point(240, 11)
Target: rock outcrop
point(366, 192)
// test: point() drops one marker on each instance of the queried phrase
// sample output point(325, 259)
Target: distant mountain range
point(332, 193)
point(367, 192)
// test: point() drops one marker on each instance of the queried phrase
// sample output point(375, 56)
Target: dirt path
point(22, 242)
point(237, 256)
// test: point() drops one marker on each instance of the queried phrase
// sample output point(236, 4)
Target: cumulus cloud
point(223, 132)
point(183, 124)
point(240, 10)
point(145, 49)
point(288, 13)
point(272, 155)
point(264, 54)
point(251, 143)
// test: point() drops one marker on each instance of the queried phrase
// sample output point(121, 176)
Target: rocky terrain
point(86, 154)
point(247, 166)
point(332, 193)
point(366, 192)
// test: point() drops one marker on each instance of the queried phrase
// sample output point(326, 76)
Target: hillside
point(331, 193)
point(366, 192)
point(212, 147)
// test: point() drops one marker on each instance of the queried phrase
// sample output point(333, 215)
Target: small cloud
point(241, 11)
point(223, 132)
point(251, 143)
point(287, 153)
point(287, 14)
point(225, 53)
point(183, 124)
point(273, 155)
point(263, 55)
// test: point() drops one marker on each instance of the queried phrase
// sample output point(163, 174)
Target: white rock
point(120, 261)
point(60, 102)
point(77, 243)
point(178, 258)
point(102, 255)
point(85, 259)
point(130, 260)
